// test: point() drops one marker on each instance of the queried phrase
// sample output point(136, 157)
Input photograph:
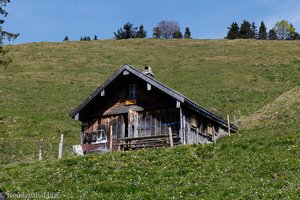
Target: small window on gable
point(132, 91)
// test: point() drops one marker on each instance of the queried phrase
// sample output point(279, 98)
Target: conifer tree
point(4, 60)
point(253, 31)
point(262, 32)
point(66, 38)
point(126, 32)
point(187, 33)
point(295, 36)
point(95, 37)
point(141, 33)
point(233, 31)
point(156, 32)
point(245, 30)
point(177, 35)
point(272, 35)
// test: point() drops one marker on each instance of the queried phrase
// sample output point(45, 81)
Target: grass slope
point(46, 80)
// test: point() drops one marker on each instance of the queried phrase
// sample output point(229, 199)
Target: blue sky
point(51, 20)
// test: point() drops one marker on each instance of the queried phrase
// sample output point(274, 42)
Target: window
point(132, 91)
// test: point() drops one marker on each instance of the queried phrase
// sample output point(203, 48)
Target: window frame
point(132, 91)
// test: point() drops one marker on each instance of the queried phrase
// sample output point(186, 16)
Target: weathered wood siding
point(198, 129)
point(150, 114)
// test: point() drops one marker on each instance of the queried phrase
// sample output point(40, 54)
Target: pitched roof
point(176, 95)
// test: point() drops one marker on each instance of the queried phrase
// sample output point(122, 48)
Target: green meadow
point(257, 81)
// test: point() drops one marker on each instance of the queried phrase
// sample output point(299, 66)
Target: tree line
point(282, 30)
point(164, 29)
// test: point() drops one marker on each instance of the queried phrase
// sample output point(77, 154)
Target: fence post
point(41, 150)
point(171, 137)
point(60, 148)
point(228, 124)
point(214, 135)
point(110, 138)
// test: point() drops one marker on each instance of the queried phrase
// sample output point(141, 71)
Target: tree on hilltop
point(284, 30)
point(233, 31)
point(253, 31)
point(4, 60)
point(245, 30)
point(141, 33)
point(156, 32)
point(272, 35)
point(66, 38)
point(187, 33)
point(262, 32)
point(166, 30)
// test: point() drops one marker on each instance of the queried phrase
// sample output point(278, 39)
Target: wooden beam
point(125, 72)
point(148, 87)
point(177, 104)
point(102, 93)
point(76, 117)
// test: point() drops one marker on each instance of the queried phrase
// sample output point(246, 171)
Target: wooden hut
point(133, 110)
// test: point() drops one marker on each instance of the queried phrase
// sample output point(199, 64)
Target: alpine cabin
point(133, 110)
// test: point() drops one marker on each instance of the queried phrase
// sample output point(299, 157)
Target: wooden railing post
point(110, 138)
point(171, 137)
point(214, 135)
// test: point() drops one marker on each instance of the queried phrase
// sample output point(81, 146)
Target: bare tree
point(167, 29)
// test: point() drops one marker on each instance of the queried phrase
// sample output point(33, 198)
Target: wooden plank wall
point(205, 131)
point(156, 122)
point(195, 129)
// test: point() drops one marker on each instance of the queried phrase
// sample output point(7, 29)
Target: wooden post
point(214, 134)
point(184, 126)
point(41, 150)
point(228, 124)
point(110, 138)
point(181, 126)
point(60, 148)
point(171, 137)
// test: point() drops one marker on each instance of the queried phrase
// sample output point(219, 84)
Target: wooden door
point(133, 123)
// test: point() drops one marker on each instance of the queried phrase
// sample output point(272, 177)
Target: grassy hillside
point(258, 81)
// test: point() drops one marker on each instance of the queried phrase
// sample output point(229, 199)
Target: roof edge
point(97, 91)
